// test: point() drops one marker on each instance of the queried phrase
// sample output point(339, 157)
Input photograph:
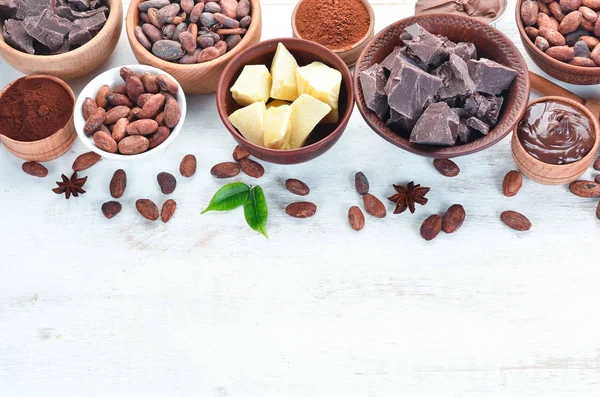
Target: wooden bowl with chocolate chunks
point(200, 77)
point(570, 67)
point(441, 85)
point(62, 39)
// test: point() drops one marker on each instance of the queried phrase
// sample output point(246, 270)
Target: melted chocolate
point(556, 133)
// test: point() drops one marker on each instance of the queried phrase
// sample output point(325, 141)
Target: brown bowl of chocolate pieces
point(62, 38)
point(441, 85)
point(562, 38)
point(192, 40)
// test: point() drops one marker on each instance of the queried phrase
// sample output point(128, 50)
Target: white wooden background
point(205, 307)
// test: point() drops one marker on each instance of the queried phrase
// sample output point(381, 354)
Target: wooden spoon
point(548, 88)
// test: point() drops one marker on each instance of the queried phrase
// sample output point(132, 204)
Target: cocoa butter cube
point(438, 125)
point(410, 89)
point(16, 36)
point(8, 8)
point(477, 125)
point(48, 29)
point(373, 83)
point(490, 77)
point(400, 124)
point(465, 51)
point(427, 47)
point(32, 8)
point(456, 80)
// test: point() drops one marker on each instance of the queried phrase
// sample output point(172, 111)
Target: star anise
point(73, 186)
point(408, 196)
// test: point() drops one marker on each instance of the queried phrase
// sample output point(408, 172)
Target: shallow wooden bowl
point(555, 174)
point(490, 43)
point(200, 78)
point(557, 69)
point(48, 148)
point(305, 52)
point(72, 64)
point(350, 56)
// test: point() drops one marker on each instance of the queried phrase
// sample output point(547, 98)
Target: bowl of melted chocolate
point(555, 141)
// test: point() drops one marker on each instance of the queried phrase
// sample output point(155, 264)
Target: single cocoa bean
point(553, 36)
point(453, 219)
point(543, 7)
point(542, 43)
point(208, 54)
point(243, 9)
point(119, 129)
point(431, 227)
point(150, 83)
point(85, 161)
point(596, 54)
point(515, 220)
point(374, 206)
point(116, 113)
point(88, 108)
point(111, 209)
point(252, 168)
point(547, 21)
point(168, 50)
point(153, 33)
point(361, 183)
point(119, 100)
point(570, 23)
point(143, 99)
point(529, 12)
point(95, 121)
point(142, 127)
point(229, 8)
point(102, 96)
point(142, 38)
point(146, 5)
point(147, 209)
point(588, 14)
point(120, 89)
point(204, 42)
point(532, 33)
point(196, 12)
point(512, 183)
point(168, 210)
point(167, 13)
point(166, 83)
point(582, 62)
point(446, 167)
point(297, 187)
point(126, 72)
point(587, 189)
point(212, 7)
point(153, 18)
point(556, 11)
point(593, 4)
point(356, 218)
point(135, 88)
point(233, 40)
point(118, 184)
point(240, 153)
point(187, 5)
point(225, 170)
point(134, 144)
point(188, 165)
point(168, 31)
point(188, 42)
point(34, 168)
point(161, 135)
point(167, 182)
point(226, 21)
point(172, 112)
point(302, 210)
point(221, 46)
point(562, 53)
point(245, 22)
point(567, 6)
point(105, 142)
point(153, 106)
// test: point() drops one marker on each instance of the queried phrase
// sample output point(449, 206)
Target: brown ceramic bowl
point(350, 56)
point(72, 64)
point(557, 69)
point(200, 78)
point(555, 174)
point(305, 52)
point(48, 148)
point(490, 43)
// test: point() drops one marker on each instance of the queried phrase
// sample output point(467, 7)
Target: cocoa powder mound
point(33, 109)
point(336, 24)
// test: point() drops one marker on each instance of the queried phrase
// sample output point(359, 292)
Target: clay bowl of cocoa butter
point(569, 62)
point(556, 141)
point(305, 52)
point(198, 76)
point(488, 42)
point(345, 27)
point(76, 57)
point(36, 117)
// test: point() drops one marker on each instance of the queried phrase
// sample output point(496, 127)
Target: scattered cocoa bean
point(168, 210)
point(361, 183)
point(240, 153)
point(161, 135)
point(297, 187)
point(187, 168)
point(147, 209)
point(225, 170)
point(105, 142)
point(374, 206)
point(111, 209)
point(453, 219)
point(252, 168)
point(431, 227)
point(167, 182)
point(556, 11)
point(356, 218)
point(587, 189)
point(446, 167)
point(85, 161)
point(243, 9)
point(515, 221)
point(34, 168)
point(303, 209)
point(118, 184)
point(512, 183)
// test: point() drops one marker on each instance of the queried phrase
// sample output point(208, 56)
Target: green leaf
point(256, 211)
point(229, 197)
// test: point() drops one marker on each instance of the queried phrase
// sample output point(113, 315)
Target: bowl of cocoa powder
point(344, 27)
point(36, 117)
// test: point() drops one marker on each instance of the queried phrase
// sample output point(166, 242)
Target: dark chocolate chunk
point(438, 125)
point(92, 24)
point(48, 29)
point(390, 61)
point(68, 13)
point(32, 8)
point(16, 36)
point(465, 51)
point(484, 107)
point(79, 5)
point(400, 124)
point(410, 89)
point(8, 8)
point(477, 125)
point(466, 134)
point(373, 83)
point(455, 79)
point(461, 113)
point(490, 77)
point(427, 47)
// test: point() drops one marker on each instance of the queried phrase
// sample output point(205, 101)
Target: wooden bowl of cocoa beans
point(562, 38)
point(152, 29)
point(132, 112)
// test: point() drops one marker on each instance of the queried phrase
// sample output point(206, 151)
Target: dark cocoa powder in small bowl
point(33, 109)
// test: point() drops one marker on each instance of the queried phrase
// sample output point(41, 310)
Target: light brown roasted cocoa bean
point(587, 189)
point(101, 96)
point(453, 219)
point(143, 99)
point(105, 142)
point(553, 36)
point(556, 11)
point(168, 210)
point(562, 53)
point(570, 23)
point(515, 220)
point(240, 153)
point(302, 209)
point(593, 4)
point(374, 206)
point(356, 218)
point(172, 112)
point(149, 81)
point(543, 7)
point(85, 161)
point(134, 144)
point(120, 89)
point(135, 88)
point(208, 54)
point(542, 43)
point(512, 183)
point(529, 12)
point(297, 187)
point(446, 167)
point(591, 41)
point(588, 14)
point(166, 83)
point(568, 6)
point(116, 113)
point(34, 168)
point(161, 135)
point(167, 182)
point(153, 106)
point(119, 129)
point(118, 184)
point(431, 227)
point(252, 168)
point(547, 21)
point(147, 209)
point(111, 209)
point(119, 100)
point(95, 121)
point(126, 72)
point(188, 165)
point(142, 127)
point(225, 170)
point(88, 108)
point(582, 62)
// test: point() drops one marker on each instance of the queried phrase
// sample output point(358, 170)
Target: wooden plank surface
point(205, 307)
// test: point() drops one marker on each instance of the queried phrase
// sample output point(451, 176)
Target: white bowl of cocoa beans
point(130, 112)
